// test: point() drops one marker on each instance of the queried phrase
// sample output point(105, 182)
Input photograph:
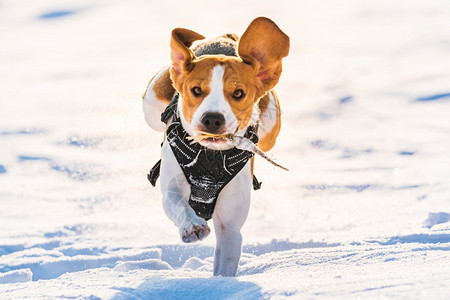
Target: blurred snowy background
point(364, 211)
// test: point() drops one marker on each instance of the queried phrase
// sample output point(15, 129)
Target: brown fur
point(256, 71)
point(163, 87)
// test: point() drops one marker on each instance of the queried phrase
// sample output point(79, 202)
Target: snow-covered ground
point(364, 211)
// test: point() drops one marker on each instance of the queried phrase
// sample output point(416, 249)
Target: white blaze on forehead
point(216, 102)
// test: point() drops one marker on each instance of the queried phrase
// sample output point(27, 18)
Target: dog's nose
point(213, 121)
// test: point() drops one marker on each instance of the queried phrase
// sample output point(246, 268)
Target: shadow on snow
point(416, 238)
point(192, 288)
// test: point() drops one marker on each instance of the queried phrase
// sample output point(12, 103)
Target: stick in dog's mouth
point(239, 142)
point(203, 135)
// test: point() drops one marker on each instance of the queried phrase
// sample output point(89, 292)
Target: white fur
point(176, 191)
point(268, 119)
point(214, 102)
point(229, 215)
point(234, 200)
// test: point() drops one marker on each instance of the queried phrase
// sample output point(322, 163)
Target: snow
point(436, 218)
point(15, 276)
point(362, 213)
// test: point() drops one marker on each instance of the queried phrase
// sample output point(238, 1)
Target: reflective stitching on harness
point(192, 150)
point(194, 161)
point(234, 156)
point(178, 148)
point(225, 166)
point(235, 163)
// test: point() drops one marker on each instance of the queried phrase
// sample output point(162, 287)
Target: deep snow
point(364, 211)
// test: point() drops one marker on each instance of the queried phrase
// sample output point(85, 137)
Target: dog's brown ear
point(182, 57)
point(263, 45)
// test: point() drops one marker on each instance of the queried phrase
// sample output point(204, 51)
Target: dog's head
point(219, 94)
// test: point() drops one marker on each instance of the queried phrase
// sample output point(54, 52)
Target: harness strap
point(170, 109)
point(153, 176)
point(207, 171)
point(198, 206)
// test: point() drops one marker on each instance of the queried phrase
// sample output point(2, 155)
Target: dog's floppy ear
point(182, 57)
point(263, 45)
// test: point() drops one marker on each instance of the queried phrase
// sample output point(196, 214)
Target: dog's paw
point(194, 230)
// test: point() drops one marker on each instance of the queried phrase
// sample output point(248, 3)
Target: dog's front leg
point(176, 192)
point(229, 216)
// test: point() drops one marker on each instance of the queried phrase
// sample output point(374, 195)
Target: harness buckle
point(153, 175)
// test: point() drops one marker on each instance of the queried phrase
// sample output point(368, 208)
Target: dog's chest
point(207, 171)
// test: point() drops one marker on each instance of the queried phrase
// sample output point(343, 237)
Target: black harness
point(207, 171)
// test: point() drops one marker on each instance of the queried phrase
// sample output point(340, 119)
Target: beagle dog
point(223, 86)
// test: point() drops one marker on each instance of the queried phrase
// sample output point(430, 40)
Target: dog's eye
point(238, 94)
point(196, 91)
